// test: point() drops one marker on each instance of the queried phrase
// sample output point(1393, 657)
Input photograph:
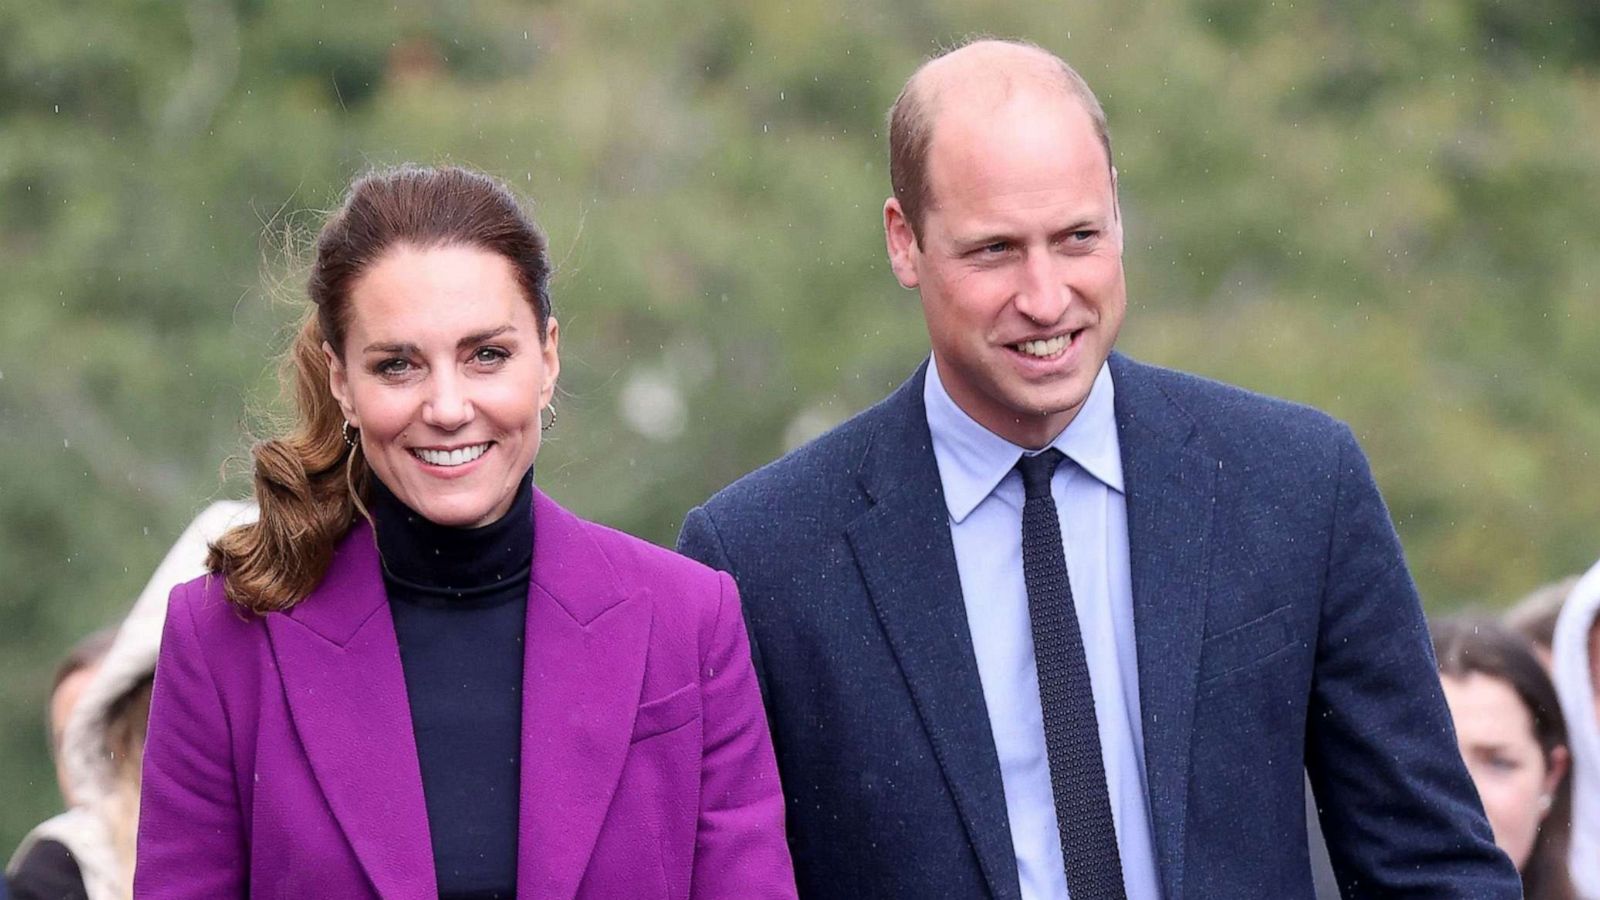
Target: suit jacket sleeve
point(191, 839)
point(1401, 816)
point(740, 851)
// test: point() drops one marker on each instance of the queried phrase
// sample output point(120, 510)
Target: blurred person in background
point(1513, 739)
point(1535, 616)
point(72, 676)
point(87, 852)
point(416, 675)
point(1576, 654)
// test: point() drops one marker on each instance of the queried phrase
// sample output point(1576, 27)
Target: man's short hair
point(911, 129)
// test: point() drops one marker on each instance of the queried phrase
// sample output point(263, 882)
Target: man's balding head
point(980, 74)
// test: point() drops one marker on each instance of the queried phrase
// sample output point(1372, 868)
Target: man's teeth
point(1044, 348)
point(456, 457)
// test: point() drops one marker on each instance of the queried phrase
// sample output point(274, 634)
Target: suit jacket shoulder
point(1228, 422)
point(813, 491)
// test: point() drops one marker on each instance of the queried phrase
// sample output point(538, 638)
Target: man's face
point(1020, 261)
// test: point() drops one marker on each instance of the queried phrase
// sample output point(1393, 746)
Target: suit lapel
point(586, 643)
point(340, 664)
point(1171, 496)
point(903, 548)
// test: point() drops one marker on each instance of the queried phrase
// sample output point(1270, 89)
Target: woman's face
point(444, 374)
point(1495, 731)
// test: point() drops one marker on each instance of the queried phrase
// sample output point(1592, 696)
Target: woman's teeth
point(457, 457)
point(1044, 348)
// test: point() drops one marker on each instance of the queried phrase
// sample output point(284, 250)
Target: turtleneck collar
point(453, 564)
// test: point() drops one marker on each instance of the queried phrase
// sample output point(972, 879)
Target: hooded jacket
point(86, 830)
point(1575, 685)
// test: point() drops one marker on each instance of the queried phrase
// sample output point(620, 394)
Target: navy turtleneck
point(459, 599)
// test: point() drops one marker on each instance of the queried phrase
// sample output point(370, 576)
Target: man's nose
point(1043, 295)
point(448, 406)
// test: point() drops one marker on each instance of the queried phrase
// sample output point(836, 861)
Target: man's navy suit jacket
point(1278, 632)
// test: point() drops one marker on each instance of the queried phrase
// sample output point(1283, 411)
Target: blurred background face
point(444, 373)
point(1495, 731)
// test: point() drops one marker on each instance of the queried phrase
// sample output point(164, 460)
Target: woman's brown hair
point(310, 482)
point(1470, 645)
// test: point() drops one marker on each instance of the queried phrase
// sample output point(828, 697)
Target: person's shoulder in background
point(47, 871)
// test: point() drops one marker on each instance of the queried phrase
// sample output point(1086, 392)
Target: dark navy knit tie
point(1071, 734)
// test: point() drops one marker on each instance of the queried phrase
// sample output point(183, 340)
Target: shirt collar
point(974, 460)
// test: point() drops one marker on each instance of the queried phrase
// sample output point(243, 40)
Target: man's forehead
point(1009, 141)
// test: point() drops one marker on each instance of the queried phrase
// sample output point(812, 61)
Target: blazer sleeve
point(740, 851)
point(700, 541)
point(191, 839)
point(1400, 814)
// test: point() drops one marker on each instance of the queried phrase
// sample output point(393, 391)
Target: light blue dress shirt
point(984, 495)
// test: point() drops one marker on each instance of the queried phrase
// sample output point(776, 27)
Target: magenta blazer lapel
point(340, 665)
point(582, 675)
point(581, 681)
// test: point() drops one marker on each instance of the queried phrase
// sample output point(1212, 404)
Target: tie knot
point(1037, 471)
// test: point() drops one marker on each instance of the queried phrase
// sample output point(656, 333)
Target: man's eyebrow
point(985, 236)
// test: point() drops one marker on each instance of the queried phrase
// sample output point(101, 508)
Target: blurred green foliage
point(1385, 210)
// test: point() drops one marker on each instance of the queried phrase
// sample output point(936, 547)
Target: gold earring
point(546, 426)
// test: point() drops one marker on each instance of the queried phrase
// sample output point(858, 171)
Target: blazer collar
point(567, 564)
point(903, 548)
point(586, 642)
point(340, 664)
point(1171, 500)
point(585, 645)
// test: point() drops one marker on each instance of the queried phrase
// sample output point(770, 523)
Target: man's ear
point(902, 243)
point(339, 384)
point(1116, 205)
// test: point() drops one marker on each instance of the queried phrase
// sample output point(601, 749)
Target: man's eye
point(995, 248)
point(1081, 237)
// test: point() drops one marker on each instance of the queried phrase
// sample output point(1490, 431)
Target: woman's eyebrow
point(407, 349)
point(481, 336)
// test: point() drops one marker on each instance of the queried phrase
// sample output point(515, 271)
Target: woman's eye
point(392, 367)
point(489, 355)
point(1503, 764)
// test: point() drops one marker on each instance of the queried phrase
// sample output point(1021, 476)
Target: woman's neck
point(427, 555)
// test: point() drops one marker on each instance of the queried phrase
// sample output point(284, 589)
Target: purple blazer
point(281, 760)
